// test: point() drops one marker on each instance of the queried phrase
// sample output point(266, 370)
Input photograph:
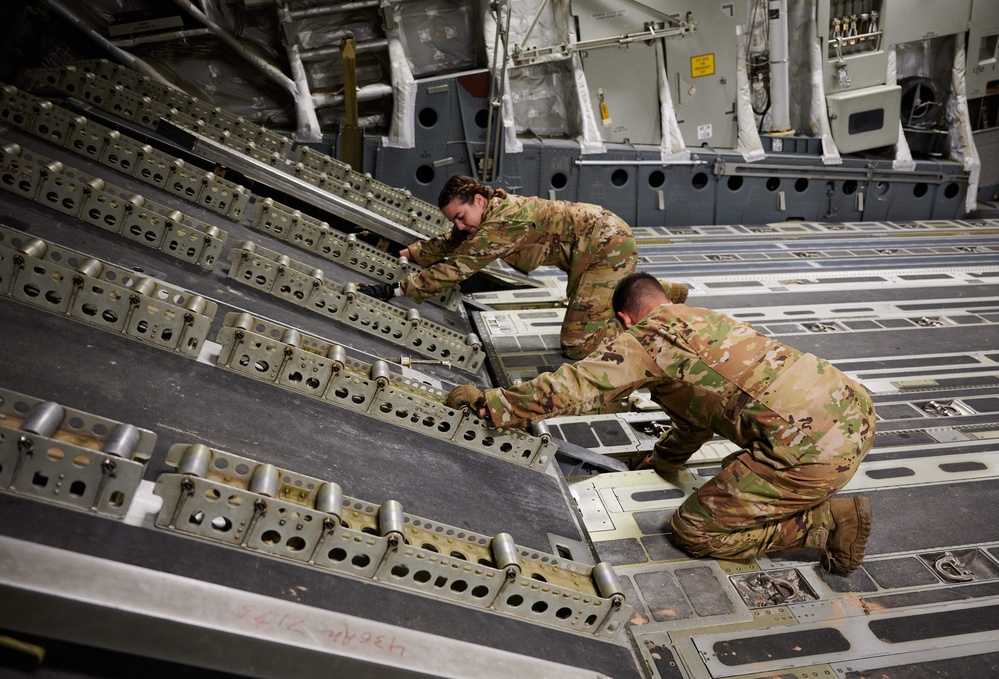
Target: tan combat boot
point(677, 292)
point(848, 536)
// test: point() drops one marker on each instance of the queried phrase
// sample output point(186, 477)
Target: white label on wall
point(704, 131)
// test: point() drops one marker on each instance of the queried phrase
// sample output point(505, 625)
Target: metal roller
point(122, 440)
point(607, 582)
point(505, 554)
point(208, 177)
point(114, 135)
point(196, 303)
point(213, 231)
point(267, 203)
point(413, 316)
point(43, 106)
point(329, 499)
point(542, 431)
point(265, 480)
point(35, 247)
point(54, 166)
point(175, 216)
point(293, 337)
point(284, 260)
point(403, 261)
point(247, 245)
point(195, 460)
point(350, 290)
point(391, 521)
point(11, 150)
point(136, 200)
point(243, 321)
point(91, 267)
point(144, 286)
point(95, 183)
point(472, 340)
point(337, 354)
point(352, 238)
point(44, 419)
point(380, 373)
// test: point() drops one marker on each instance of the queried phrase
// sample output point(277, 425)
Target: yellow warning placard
point(703, 64)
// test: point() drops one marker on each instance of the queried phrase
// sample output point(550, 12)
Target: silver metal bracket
point(944, 408)
point(92, 291)
point(92, 200)
point(309, 365)
point(773, 588)
point(307, 287)
point(397, 204)
point(251, 505)
point(653, 31)
point(126, 155)
point(952, 569)
point(310, 234)
point(135, 97)
point(69, 457)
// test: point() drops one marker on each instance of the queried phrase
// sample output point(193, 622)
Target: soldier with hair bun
point(592, 245)
point(802, 425)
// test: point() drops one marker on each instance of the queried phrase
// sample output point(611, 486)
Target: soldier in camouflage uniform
point(803, 426)
point(594, 246)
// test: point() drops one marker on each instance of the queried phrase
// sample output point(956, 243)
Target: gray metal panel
point(558, 174)
point(612, 185)
point(983, 49)
point(653, 188)
point(987, 143)
point(472, 91)
point(909, 20)
point(626, 76)
point(423, 169)
point(436, 118)
point(689, 192)
point(704, 98)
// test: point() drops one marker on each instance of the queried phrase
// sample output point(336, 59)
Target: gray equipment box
point(864, 119)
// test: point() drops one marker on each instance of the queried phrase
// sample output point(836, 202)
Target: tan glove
point(466, 395)
point(659, 463)
point(677, 292)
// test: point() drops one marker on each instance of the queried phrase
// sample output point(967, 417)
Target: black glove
point(382, 291)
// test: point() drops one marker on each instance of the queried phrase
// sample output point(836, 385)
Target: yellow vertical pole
point(351, 139)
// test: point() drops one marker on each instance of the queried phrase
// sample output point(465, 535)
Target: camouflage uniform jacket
point(525, 232)
point(711, 374)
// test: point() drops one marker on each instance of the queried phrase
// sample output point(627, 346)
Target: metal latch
point(773, 588)
point(944, 408)
point(952, 569)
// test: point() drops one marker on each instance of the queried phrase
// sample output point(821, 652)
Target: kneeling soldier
point(803, 426)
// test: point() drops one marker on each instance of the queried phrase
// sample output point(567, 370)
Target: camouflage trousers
point(597, 266)
point(764, 500)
